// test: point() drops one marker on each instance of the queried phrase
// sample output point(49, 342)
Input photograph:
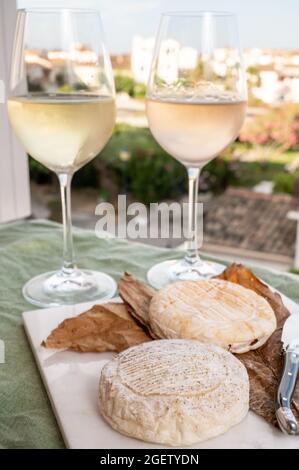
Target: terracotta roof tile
point(241, 218)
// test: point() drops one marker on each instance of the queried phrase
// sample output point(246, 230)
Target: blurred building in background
point(121, 62)
point(274, 74)
point(142, 50)
point(277, 74)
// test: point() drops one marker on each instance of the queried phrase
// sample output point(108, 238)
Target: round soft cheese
point(213, 311)
point(173, 392)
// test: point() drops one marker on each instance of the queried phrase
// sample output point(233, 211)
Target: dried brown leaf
point(137, 296)
point(264, 365)
point(107, 327)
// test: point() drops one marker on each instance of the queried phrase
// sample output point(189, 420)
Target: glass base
point(54, 289)
point(178, 270)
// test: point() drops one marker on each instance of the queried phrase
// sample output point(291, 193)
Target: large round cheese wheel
point(174, 392)
point(213, 311)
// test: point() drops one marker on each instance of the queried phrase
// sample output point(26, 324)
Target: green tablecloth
point(30, 248)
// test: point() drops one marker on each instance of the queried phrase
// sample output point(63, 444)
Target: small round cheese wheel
point(213, 311)
point(173, 392)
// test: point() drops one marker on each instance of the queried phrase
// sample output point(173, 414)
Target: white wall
point(14, 177)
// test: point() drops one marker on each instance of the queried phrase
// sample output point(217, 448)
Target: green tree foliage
point(126, 84)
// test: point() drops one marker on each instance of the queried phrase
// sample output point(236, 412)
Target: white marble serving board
point(71, 380)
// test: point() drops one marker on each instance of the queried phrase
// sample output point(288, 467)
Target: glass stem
point(68, 252)
point(192, 256)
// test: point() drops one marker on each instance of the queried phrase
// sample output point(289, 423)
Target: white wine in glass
point(81, 124)
point(62, 109)
point(196, 105)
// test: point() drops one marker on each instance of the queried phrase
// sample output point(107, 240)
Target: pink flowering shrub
point(279, 126)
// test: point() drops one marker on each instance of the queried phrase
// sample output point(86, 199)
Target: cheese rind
point(213, 311)
point(173, 392)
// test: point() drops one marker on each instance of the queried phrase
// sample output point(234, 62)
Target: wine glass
point(196, 105)
point(62, 109)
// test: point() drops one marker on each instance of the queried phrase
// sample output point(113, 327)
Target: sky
point(262, 23)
